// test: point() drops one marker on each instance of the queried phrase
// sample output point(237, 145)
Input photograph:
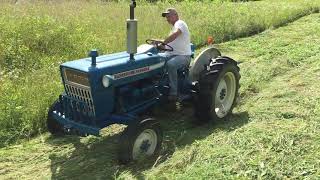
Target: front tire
point(140, 140)
point(53, 126)
point(218, 90)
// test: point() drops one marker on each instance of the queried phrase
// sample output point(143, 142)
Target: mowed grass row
point(272, 134)
point(274, 131)
point(36, 37)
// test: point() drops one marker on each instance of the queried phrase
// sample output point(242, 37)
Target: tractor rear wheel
point(53, 126)
point(218, 90)
point(140, 140)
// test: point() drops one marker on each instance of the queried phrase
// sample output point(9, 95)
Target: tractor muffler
point(132, 28)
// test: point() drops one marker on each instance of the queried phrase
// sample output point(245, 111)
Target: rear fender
point(201, 61)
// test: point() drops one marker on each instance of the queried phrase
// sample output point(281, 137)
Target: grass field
point(36, 37)
point(273, 133)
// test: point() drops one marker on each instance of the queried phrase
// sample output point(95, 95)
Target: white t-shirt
point(181, 45)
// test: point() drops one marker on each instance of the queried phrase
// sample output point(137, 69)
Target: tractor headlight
point(106, 80)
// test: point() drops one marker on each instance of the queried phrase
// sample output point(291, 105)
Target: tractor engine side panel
point(132, 96)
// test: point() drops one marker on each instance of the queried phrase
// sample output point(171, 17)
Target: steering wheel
point(159, 44)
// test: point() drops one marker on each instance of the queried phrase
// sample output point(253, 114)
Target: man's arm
point(173, 36)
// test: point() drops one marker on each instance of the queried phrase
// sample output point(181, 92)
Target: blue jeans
point(174, 63)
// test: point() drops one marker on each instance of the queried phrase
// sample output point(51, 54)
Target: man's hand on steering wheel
point(159, 44)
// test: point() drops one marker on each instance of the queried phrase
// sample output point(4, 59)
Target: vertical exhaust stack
point(132, 28)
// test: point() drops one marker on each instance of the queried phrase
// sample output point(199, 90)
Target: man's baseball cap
point(169, 11)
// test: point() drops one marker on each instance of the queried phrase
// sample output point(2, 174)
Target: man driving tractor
point(179, 40)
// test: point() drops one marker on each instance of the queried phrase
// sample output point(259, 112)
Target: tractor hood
point(103, 61)
point(112, 62)
point(118, 67)
point(117, 62)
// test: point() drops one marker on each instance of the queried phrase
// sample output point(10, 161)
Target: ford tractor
point(121, 88)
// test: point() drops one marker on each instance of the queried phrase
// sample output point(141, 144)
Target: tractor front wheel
point(140, 140)
point(53, 126)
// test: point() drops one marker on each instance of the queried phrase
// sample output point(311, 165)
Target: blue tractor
point(121, 88)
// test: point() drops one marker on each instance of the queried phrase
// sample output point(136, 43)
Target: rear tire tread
point(208, 83)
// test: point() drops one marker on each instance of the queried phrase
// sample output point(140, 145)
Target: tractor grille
point(82, 94)
point(76, 77)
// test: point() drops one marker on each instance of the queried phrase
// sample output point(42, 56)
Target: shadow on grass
point(96, 157)
point(75, 159)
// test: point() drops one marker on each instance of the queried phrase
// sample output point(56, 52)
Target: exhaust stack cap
point(93, 54)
